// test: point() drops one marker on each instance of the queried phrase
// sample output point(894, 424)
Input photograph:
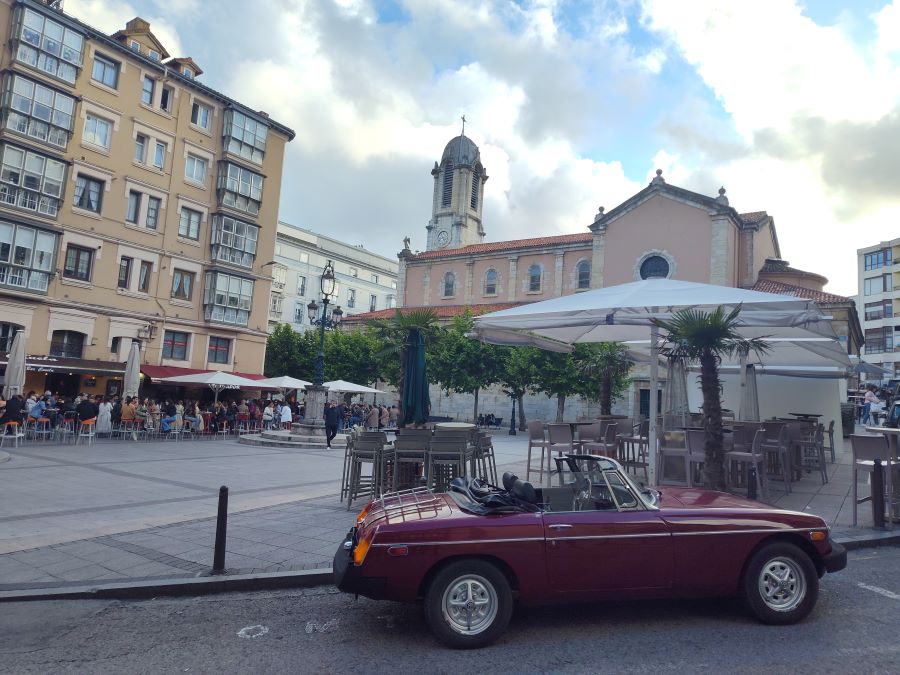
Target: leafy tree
point(283, 355)
point(605, 367)
point(464, 365)
point(518, 375)
point(707, 337)
point(351, 356)
point(557, 375)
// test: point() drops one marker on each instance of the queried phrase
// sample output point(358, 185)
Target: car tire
point(780, 584)
point(468, 604)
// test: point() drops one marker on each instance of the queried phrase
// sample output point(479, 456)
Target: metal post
point(512, 418)
point(878, 494)
point(221, 527)
point(751, 483)
point(320, 357)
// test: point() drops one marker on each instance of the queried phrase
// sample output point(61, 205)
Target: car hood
point(698, 498)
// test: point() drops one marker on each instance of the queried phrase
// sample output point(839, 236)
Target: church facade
point(662, 231)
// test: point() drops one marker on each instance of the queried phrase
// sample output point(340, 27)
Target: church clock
point(443, 238)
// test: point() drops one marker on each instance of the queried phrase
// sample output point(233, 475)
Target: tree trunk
point(606, 394)
point(401, 386)
point(522, 423)
point(560, 407)
point(714, 465)
point(475, 413)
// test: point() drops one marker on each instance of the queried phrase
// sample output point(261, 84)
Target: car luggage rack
point(420, 498)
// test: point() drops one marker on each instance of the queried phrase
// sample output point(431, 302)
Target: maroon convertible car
point(473, 550)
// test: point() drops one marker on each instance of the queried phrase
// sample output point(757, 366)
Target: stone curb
point(133, 590)
point(4, 457)
point(254, 582)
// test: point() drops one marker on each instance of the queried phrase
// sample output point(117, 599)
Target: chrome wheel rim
point(469, 604)
point(782, 584)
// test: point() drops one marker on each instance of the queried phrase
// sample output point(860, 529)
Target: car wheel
point(780, 585)
point(468, 604)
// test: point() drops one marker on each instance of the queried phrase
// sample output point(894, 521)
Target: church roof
point(512, 244)
point(768, 286)
point(461, 150)
point(753, 217)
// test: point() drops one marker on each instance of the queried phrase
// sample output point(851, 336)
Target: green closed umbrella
point(416, 402)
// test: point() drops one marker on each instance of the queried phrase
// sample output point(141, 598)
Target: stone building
point(878, 270)
point(136, 204)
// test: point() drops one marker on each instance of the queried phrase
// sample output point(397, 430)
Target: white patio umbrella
point(345, 387)
point(216, 380)
point(132, 381)
point(626, 313)
point(14, 383)
point(284, 383)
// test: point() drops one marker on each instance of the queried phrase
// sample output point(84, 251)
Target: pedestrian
point(372, 417)
point(104, 417)
point(383, 416)
point(268, 415)
point(331, 422)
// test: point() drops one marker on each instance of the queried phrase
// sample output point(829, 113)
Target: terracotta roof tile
point(767, 286)
point(495, 246)
point(442, 311)
point(752, 216)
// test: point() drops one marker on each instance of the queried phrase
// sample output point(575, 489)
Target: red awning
point(159, 372)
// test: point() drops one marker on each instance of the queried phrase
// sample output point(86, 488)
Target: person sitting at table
point(220, 416)
point(869, 399)
point(169, 415)
point(87, 409)
point(14, 410)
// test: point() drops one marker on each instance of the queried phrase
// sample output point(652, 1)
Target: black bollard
point(221, 528)
point(751, 483)
point(512, 418)
point(878, 494)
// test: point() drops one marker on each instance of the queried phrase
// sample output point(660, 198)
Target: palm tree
point(707, 337)
point(608, 363)
point(395, 335)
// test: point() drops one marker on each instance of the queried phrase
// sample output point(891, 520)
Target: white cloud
point(110, 16)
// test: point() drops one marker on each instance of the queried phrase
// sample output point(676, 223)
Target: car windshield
point(649, 497)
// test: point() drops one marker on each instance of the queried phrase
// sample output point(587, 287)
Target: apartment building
point(136, 204)
point(365, 281)
point(878, 270)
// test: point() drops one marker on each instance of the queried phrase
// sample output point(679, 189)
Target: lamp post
point(313, 425)
point(512, 417)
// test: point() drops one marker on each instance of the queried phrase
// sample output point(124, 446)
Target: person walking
point(869, 400)
point(104, 417)
point(331, 422)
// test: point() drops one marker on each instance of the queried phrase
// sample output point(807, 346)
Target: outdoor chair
point(866, 449)
point(42, 429)
point(86, 431)
point(830, 435)
point(608, 446)
point(589, 433)
point(243, 423)
point(67, 430)
point(447, 459)
point(679, 453)
point(633, 449)
point(695, 442)
point(778, 445)
point(560, 437)
point(812, 452)
point(484, 456)
point(739, 462)
point(536, 439)
point(359, 484)
point(187, 429)
point(410, 458)
point(13, 431)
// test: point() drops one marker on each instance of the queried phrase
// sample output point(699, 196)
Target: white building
point(366, 281)
point(878, 270)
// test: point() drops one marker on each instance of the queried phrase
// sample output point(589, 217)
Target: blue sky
point(792, 106)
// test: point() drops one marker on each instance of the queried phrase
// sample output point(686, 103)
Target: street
point(852, 629)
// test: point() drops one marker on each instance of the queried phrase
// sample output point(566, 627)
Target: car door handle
point(560, 526)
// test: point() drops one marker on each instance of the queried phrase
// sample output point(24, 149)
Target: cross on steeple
point(463, 118)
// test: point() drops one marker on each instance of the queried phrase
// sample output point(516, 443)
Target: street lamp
point(326, 320)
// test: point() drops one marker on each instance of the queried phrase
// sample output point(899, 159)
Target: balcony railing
point(29, 199)
point(21, 277)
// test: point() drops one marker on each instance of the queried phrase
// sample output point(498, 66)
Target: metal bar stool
point(86, 431)
point(12, 430)
point(359, 484)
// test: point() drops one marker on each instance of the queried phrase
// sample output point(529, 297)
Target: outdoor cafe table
point(807, 416)
point(893, 439)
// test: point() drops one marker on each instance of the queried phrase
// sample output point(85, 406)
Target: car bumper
point(837, 559)
point(349, 578)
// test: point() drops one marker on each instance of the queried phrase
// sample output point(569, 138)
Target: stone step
point(258, 440)
point(292, 436)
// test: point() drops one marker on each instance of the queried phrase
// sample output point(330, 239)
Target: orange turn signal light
point(818, 535)
point(362, 514)
point(359, 553)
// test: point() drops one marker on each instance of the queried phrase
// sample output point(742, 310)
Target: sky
point(791, 106)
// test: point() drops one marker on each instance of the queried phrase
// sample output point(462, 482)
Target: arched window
point(449, 284)
point(447, 193)
point(476, 180)
point(7, 333)
point(490, 282)
point(534, 278)
point(67, 343)
point(584, 274)
point(654, 267)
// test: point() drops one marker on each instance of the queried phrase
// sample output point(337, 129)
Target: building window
point(240, 188)
point(140, 149)
point(31, 181)
point(133, 210)
point(534, 279)
point(105, 71)
point(878, 259)
point(299, 312)
point(875, 285)
point(449, 285)
point(245, 136)
point(135, 46)
point(394, 285)
point(88, 193)
point(159, 155)
point(27, 256)
point(374, 278)
point(153, 206)
point(351, 298)
point(167, 99)
point(67, 344)
point(879, 340)
point(234, 241)
point(279, 276)
point(49, 47)
point(189, 224)
point(201, 116)
point(583, 270)
point(38, 111)
point(301, 285)
point(148, 86)
point(373, 303)
point(182, 285)
point(7, 334)
point(195, 169)
point(124, 272)
point(78, 263)
point(353, 272)
point(276, 300)
point(144, 276)
point(153, 54)
point(219, 349)
point(447, 192)
point(187, 72)
point(654, 267)
point(175, 345)
point(473, 201)
point(390, 302)
point(227, 298)
point(490, 282)
point(883, 309)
